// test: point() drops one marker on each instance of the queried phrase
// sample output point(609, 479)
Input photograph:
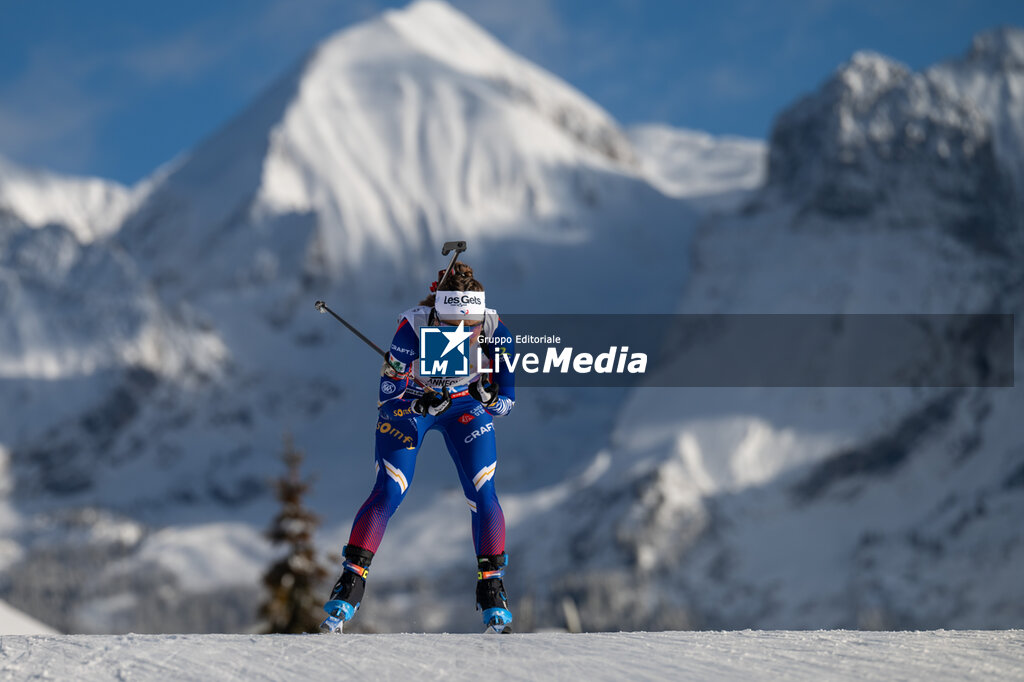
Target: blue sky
point(116, 88)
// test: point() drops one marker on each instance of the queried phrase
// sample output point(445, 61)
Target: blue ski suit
point(467, 428)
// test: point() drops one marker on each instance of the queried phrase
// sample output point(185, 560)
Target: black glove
point(485, 393)
point(432, 403)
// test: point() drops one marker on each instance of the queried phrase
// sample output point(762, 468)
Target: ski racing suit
point(466, 426)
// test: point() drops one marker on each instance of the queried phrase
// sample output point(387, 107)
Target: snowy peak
point(443, 33)
point(1001, 48)
point(391, 137)
point(875, 107)
point(439, 30)
point(866, 77)
point(991, 77)
point(876, 135)
point(90, 207)
point(69, 308)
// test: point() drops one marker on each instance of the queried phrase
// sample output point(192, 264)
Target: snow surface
point(14, 622)
point(748, 655)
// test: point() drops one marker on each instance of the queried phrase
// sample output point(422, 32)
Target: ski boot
point(490, 594)
point(348, 591)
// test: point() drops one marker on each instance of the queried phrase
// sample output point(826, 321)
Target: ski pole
point(322, 308)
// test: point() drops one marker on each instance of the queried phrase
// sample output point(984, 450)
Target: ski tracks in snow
point(745, 655)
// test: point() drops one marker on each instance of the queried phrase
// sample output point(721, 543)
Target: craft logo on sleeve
point(444, 351)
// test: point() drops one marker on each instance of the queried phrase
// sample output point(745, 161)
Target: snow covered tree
point(292, 582)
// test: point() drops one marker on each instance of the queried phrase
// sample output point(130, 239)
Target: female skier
point(460, 408)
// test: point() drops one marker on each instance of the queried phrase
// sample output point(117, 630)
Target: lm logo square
point(444, 351)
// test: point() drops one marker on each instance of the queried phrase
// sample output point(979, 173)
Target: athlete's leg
point(469, 435)
point(467, 489)
point(397, 443)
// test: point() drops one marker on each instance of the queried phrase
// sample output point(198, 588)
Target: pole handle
point(458, 247)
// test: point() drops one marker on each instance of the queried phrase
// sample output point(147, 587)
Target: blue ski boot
point(490, 594)
point(348, 591)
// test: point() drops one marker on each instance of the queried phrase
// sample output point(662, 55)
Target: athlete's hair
point(459, 279)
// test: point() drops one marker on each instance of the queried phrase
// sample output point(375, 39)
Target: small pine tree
point(292, 605)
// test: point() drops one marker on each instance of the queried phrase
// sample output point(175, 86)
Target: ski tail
point(498, 621)
point(334, 624)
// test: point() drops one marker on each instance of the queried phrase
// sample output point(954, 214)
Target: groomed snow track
point(744, 655)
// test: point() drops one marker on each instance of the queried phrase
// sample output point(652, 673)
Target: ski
point(332, 624)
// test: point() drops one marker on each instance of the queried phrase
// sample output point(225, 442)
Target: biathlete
point(461, 408)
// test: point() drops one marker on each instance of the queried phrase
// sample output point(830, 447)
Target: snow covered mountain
point(392, 137)
point(779, 507)
point(76, 309)
point(714, 173)
point(151, 370)
point(90, 207)
point(340, 183)
point(991, 77)
point(884, 139)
